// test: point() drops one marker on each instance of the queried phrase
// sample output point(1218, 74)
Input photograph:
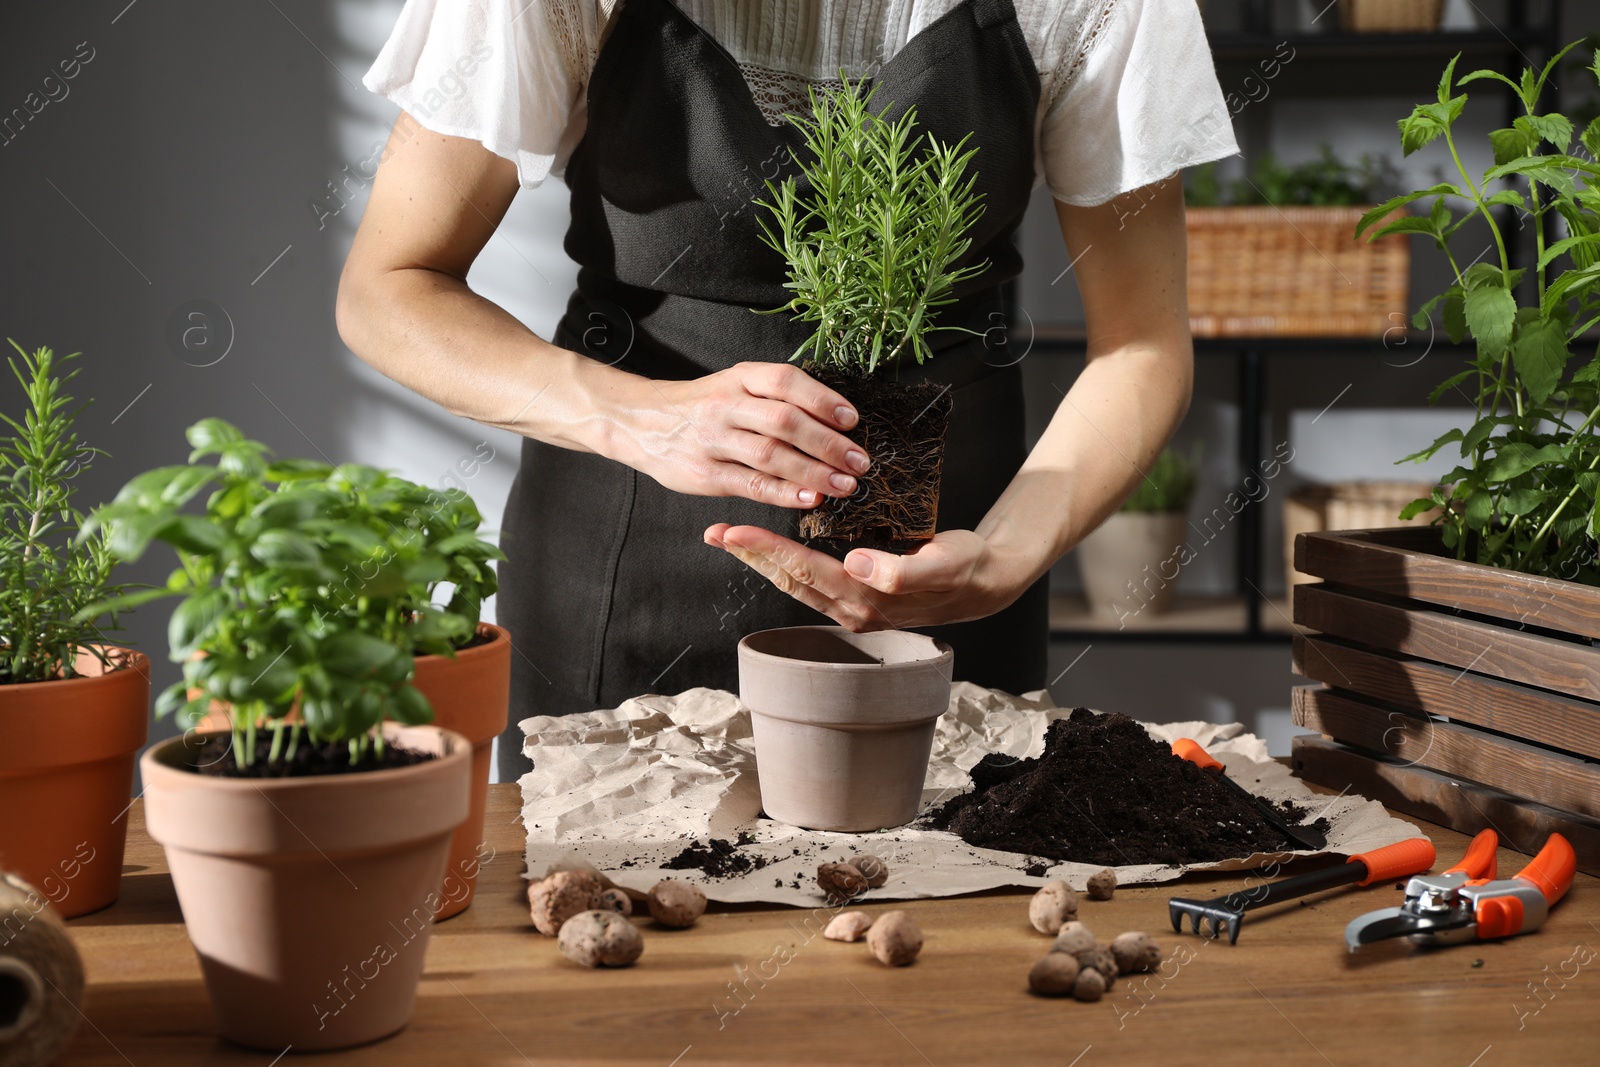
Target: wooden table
point(754, 985)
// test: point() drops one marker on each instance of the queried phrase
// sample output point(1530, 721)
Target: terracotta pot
point(310, 900)
point(1130, 565)
point(471, 695)
point(843, 723)
point(67, 750)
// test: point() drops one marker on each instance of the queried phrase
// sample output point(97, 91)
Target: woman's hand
point(765, 431)
point(955, 577)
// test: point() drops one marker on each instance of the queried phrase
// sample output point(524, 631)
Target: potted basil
point(308, 840)
point(872, 247)
point(74, 709)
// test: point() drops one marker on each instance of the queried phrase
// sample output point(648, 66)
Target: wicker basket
point(1346, 506)
point(1293, 272)
point(1390, 16)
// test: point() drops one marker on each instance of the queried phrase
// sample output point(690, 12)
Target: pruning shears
point(1469, 903)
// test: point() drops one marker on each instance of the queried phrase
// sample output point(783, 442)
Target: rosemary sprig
point(872, 247)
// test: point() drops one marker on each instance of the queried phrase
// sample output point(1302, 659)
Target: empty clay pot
point(470, 694)
point(310, 900)
point(843, 722)
point(1130, 565)
point(67, 750)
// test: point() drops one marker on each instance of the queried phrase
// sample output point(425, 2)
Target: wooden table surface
point(495, 992)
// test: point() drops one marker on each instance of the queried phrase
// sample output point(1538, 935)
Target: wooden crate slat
point(1563, 666)
point(1458, 803)
point(1398, 562)
point(1534, 714)
point(1561, 781)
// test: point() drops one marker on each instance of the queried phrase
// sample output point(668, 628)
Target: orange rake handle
point(1185, 748)
point(1399, 860)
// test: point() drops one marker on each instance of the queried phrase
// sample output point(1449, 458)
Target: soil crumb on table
point(718, 858)
point(1105, 792)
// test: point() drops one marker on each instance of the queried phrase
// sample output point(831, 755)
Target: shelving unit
point(1248, 617)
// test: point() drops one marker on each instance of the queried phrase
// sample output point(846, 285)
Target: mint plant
point(1524, 494)
point(872, 247)
point(306, 587)
point(47, 574)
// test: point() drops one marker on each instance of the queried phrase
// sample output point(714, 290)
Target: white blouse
point(1128, 91)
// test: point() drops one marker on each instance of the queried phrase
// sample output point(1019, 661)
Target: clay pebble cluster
point(591, 923)
point(1078, 965)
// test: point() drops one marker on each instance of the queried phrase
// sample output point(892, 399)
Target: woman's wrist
point(1007, 566)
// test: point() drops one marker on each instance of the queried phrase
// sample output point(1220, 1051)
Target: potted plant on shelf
point(1500, 617)
point(308, 840)
point(74, 709)
point(872, 248)
point(1273, 256)
point(1130, 563)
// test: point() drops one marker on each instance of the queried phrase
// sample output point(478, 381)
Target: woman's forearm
point(431, 333)
point(1106, 431)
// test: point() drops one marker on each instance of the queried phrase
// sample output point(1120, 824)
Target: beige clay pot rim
point(156, 760)
point(945, 652)
point(137, 663)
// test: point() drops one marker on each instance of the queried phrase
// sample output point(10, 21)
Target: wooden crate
point(1431, 670)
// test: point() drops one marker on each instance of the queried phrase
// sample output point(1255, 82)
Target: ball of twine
point(41, 978)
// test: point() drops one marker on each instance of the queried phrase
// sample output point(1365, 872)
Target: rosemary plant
point(305, 587)
point(1524, 494)
point(873, 242)
point(47, 575)
point(1167, 486)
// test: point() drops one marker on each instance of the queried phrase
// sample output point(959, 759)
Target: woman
point(669, 448)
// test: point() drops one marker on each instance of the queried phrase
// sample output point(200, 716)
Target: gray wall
point(213, 152)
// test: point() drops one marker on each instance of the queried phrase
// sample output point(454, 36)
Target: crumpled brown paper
point(625, 790)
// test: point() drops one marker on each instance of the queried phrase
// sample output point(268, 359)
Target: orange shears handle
point(1482, 858)
point(1552, 869)
point(1188, 749)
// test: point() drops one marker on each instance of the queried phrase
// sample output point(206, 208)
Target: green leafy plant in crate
point(307, 588)
point(1524, 494)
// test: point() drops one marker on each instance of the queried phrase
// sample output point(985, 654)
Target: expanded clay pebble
point(840, 882)
point(1134, 951)
point(1102, 884)
point(1054, 976)
point(847, 926)
point(616, 900)
point(1090, 986)
point(675, 903)
point(600, 939)
point(1052, 906)
point(894, 939)
point(1073, 938)
point(873, 869)
point(1100, 959)
point(554, 900)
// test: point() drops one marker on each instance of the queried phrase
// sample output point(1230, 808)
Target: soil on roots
point(895, 506)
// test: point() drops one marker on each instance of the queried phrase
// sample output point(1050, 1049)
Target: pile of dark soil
point(311, 758)
point(1105, 792)
point(896, 503)
point(718, 858)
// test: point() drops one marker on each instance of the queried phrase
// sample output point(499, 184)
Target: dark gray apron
point(609, 591)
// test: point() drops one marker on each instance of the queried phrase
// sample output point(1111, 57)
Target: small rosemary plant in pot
point(872, 229)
